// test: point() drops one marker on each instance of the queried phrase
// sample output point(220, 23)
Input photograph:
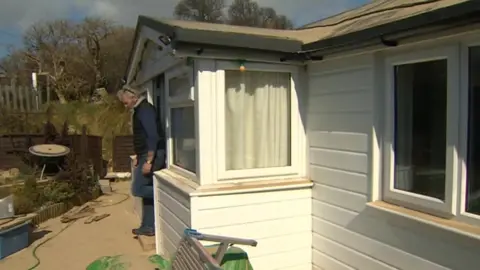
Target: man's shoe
point(144, 231)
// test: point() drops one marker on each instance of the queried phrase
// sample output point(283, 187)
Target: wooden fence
point(121, 152)
point(22, 98)
point(85, 145)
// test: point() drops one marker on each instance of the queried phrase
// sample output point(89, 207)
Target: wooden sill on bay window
point(193, 189)
point(252, 186)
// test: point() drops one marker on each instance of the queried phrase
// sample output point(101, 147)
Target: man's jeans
point(142, 186)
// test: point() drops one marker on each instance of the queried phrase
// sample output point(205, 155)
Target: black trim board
point(228, 52)
point(417, 21)
point(132, 53)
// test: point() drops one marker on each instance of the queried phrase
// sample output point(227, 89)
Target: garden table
point(49, 154)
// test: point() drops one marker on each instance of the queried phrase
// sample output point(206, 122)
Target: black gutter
point(449, 13)
point(235, 52)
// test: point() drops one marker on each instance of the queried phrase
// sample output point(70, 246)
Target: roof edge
point(228, 39)
point(131, 55)
point(421, 20)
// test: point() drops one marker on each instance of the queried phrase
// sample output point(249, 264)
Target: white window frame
point(297, 131)
point(463, 215)
point(412, 200)
point(179, 102)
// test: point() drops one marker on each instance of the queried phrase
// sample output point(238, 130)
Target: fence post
point(26, 122)
point(14, 93)
point(19, 91)
point(48, 88)
point(83, 144)
point(7, 96)
point(28, 96)
point(2, 96)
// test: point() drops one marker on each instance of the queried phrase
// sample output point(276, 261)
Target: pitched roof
point(370, 21)
point(226, 28)
point(378, 12)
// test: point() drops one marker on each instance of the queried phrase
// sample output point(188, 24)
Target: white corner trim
point(183, 184)
point(138, 47)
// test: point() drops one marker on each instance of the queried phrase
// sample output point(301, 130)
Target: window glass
point(473, 151)
point(420, 128)
point(183, 137)
point(257, 119)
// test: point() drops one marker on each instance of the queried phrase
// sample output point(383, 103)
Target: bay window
point(258, 122)
point(181, 126)
point(227, 124)
point(432, 132)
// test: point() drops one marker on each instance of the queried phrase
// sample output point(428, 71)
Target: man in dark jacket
point(149, 148)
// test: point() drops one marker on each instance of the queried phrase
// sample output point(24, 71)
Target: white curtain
point(257, 120)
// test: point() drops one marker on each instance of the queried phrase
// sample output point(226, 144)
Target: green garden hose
point(34, 251)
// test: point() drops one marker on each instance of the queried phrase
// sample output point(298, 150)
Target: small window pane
point(183, 137)
point(179, 86)
point(473, 156)
point(257, 119)
point(420, 128)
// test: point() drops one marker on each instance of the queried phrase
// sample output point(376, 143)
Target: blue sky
point(18, 15)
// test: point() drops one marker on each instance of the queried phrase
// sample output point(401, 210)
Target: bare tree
point(114, 57)
point(249, 13)
point(244, 13)
point(268, 18)
point(200, 10)
point(51, 46)
point(14, 65)
point(78, 58)
point(92, 32)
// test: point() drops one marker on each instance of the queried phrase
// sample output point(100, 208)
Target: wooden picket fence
point(22, 98)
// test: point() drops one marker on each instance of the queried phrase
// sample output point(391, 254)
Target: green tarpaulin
point(109, 263)
point(234, 259)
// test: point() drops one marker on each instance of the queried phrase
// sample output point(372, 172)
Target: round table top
point(49, 150)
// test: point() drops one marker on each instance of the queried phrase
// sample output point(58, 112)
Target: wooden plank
point(28, 97)
point(17, 221)
point(21, 97)
point(15, 99)
point(146, 242)
point(48, 89)
point(40, 97)
point(8, 97)
point(2, 96)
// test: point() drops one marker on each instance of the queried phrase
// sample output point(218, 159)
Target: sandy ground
point(80, 244)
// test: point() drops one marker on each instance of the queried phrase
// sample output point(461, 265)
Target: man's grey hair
point(131, 91)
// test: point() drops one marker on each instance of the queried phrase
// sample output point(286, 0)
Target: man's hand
point(147, 168)
point(134, 162)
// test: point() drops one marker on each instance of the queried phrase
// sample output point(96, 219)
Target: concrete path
point(80, 244)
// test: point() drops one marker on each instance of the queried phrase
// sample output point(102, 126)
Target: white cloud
point(16, 14)
point(19, 14)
